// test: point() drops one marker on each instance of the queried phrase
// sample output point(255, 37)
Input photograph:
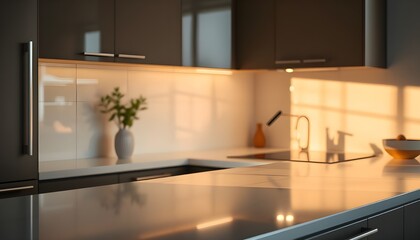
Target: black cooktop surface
point(308, 156)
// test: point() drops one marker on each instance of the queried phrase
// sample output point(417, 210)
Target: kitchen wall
point(352, 109)
point(188, 109)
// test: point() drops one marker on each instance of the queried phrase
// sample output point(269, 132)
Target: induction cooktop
point(308, 156)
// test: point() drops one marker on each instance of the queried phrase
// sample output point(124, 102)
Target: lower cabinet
point(345, 232)
point(387, 225)
point(412, 221)
point(161, 173)
point(390, 225)
point(63, 184)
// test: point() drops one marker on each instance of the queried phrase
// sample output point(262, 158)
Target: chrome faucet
point(277, 115)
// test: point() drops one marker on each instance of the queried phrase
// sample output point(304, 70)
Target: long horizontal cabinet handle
point(298, 61)
point(288, 61)
point(319, 60)
point(153, 177)
point(16, 189)
point(131, 56)
point(94, 54)
point(364, 234)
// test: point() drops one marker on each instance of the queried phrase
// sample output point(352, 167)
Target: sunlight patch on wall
point(345, 116)
point(412, 112)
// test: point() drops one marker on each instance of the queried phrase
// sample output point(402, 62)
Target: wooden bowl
point(402, 149)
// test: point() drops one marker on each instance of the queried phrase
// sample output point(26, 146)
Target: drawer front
point(161, 173)
point(412, 221)
point(151, 174)
point(390, 225)
point(17, 189)
point(75, 183)
point(345, 232)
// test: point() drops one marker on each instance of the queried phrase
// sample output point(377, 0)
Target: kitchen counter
point(262, 200)
point(83, 167)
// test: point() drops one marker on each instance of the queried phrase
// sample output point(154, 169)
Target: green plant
point(123, 114)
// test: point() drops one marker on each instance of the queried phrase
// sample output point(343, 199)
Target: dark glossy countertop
point(281, 200)
point(169, 211)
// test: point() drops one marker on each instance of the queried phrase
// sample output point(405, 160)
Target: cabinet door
point(390, 225)
point(319, 33)
point(76, 29)
point(345, 232)
point(162, 172)
point(77, 182)
point(19, 218)
point(412, 221)
point(207, 33)
point(151, 174)
point(148, 31)
point(255, 34)
point(18, 97)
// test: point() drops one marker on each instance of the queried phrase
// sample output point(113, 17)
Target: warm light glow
point(291, 88)
point(289, 70)
point(290, 218)
point(214, 223)
point(213, 71)
point(280, 218)
point(411, 112)
point(59, 127)
point(164, 232)
point(348, 116)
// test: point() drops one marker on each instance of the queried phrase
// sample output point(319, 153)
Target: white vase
point(124, 143)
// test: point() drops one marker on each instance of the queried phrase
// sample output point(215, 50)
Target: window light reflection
point(289, 218)
point(214, 223)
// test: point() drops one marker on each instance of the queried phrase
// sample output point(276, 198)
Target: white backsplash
point(349, 109)
point(186, 110)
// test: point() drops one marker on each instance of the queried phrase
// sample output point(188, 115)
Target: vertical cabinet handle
point(29, 99)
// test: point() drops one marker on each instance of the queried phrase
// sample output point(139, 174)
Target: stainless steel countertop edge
point(335, 220)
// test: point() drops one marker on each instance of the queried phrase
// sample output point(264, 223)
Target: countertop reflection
point(283, 199)
point(171, 211)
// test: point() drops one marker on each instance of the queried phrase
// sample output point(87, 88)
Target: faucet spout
point(299, 117)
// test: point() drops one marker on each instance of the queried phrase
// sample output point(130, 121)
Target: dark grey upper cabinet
point(207, 33)
point(76, 29)
point(412, 221)
point(18, 98)
point(138, 31)
point(148, 31)
point(330, 33)
point(308, 33)
point(255, 24)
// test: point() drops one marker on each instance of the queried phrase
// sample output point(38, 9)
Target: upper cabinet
point(140, 31)
point(255, 35)
point(76, 29)
point(307, 33)
point(245, 34)
point(207, 33)
point(148, 31)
